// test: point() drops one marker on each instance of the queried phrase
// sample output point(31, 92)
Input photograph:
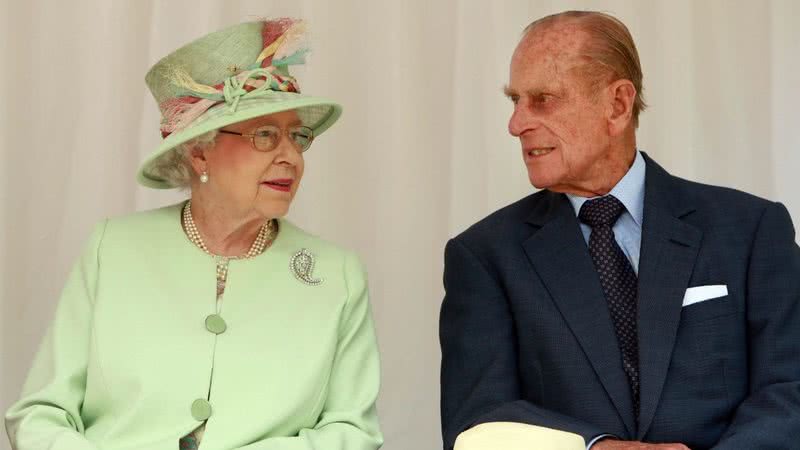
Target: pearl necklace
point(266, 235)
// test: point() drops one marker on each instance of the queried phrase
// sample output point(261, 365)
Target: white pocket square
point(702, 293)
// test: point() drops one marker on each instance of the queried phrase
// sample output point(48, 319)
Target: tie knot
point(601, 211)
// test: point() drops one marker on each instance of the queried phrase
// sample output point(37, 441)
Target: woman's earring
point(204, 177)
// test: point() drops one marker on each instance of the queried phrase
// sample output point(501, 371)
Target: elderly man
point(620, 303)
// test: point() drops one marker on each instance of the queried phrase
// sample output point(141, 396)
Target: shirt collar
point(629, 190)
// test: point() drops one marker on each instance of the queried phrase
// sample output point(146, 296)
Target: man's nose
point(522, 120)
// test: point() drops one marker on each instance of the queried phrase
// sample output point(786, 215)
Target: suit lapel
point(668, 253)
point(561, 258)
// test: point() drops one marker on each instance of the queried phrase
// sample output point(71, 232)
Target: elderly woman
point(213, 321)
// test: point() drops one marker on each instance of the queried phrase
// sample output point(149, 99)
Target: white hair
point(174, 166)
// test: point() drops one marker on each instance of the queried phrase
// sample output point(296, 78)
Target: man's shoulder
point(713, 200)
point(508, 220)
point(691, 195)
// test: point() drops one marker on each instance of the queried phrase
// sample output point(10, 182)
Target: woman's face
point(249, 183)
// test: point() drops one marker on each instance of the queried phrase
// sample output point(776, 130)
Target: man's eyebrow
point(509, 92)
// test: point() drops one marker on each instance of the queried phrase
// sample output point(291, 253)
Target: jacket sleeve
point(479, 378)
point(769, 417)
point(48, 414)
point(348, 420)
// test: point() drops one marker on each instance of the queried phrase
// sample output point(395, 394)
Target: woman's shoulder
point(294, 239)
point(292, 234)
point(152, 223)
point(164, 215)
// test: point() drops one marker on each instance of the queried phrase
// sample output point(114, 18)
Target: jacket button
point(216, 324)
point(201, 409)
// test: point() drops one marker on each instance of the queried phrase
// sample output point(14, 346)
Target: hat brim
point(316, 113)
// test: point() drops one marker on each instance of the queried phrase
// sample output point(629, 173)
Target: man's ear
point(622, 95)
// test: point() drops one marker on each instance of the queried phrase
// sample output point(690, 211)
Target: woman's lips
point(281, 184)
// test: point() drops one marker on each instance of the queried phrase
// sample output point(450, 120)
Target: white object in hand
point(517, 436)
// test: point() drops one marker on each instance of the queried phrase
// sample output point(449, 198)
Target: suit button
point(216, 324)
point(201, 409)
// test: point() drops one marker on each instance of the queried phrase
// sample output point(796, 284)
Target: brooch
point(301, 265)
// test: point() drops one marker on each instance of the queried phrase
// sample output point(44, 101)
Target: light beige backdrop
point(420, 153)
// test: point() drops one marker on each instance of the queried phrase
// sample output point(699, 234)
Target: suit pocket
point(709, 309)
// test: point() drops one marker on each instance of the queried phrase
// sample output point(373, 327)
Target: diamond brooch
point(301, 265)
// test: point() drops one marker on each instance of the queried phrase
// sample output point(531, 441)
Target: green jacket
point(129, 354)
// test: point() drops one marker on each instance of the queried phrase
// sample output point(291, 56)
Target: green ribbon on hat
point(233, 88)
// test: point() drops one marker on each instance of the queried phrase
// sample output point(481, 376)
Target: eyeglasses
point(267, 137)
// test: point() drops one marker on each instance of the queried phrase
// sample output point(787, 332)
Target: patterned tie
point(618, 281)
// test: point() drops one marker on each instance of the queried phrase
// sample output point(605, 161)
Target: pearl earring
point(204, 177)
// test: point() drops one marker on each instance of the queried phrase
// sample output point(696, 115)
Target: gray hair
point(174, 166)
point(609, 49)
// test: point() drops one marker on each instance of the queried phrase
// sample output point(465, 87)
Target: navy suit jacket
point(526, 335)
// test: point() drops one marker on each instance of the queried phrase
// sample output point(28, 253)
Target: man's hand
point(612, 444)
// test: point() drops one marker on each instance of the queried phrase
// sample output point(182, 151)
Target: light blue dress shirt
point(628, 228)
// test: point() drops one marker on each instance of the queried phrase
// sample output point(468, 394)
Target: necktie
point(618, 281)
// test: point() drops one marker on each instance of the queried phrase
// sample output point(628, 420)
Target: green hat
point(230, 76)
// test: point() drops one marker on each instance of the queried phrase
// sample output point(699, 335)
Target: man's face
point(561, 125)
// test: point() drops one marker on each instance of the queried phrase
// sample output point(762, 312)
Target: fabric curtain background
point(421, 152)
